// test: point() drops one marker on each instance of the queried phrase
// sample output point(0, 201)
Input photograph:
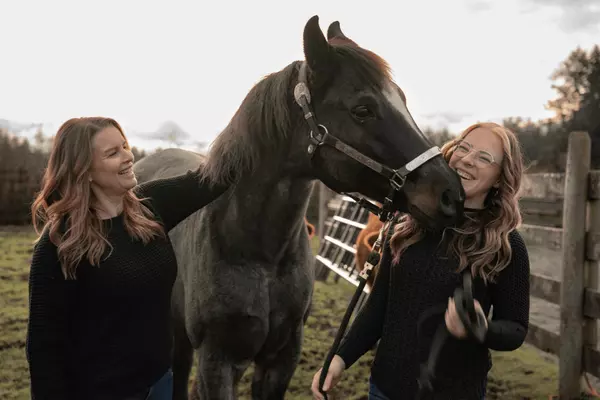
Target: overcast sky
point(147, 62)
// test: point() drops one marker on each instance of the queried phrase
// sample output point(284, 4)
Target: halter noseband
point(319, 135)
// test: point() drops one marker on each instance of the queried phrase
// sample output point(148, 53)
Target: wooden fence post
point(590, 329)
point(573, 262)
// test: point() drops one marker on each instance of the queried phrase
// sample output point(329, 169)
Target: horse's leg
point(273, 372)
point(216, 375)
point(182, 360)
point(183, 351)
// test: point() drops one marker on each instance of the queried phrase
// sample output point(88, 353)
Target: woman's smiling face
point(112, 166)
point(478, 158)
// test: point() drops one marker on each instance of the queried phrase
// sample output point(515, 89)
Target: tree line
point(576, 106)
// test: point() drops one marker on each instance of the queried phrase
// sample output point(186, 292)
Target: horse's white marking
point(392, 95)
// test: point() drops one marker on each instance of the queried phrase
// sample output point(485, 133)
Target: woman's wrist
point(341, 361)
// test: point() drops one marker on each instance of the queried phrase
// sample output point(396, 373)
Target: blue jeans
point(375, 393)
point(162, 388)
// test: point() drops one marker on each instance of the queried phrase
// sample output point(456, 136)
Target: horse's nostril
point(447, 205)
point(446, 200)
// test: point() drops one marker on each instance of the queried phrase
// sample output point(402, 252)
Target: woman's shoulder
point(517, 243)
point(44, 246)
point(140, 192)
point(44, 239)
point(44, 258)
point(519, 254)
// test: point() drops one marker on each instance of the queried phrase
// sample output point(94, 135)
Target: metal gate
point(337, 250)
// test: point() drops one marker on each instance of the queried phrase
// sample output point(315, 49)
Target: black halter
point(319, 135)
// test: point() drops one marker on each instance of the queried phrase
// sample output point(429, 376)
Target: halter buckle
point(397, 180)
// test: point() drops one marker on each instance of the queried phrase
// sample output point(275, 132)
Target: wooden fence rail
point(561, 212)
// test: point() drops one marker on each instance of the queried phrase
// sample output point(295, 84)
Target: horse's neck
point(264, 215)
point(280, 203)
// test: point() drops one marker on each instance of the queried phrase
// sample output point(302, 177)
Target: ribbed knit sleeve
point(367, 326)
point(46, 345)
point(176, 198)
point(510, 298)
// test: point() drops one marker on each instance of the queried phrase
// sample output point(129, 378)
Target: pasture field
point(523, 374)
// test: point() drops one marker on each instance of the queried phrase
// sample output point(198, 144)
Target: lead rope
point(372, 261)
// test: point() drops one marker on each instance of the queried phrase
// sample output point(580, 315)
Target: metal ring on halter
point(319, 139)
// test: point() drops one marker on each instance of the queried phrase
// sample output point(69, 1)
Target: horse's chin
point(338, 186)
point(399, 204)
point(423, 219)
point(426, 221)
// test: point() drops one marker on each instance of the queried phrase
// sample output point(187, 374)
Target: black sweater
point(422, 281)
point(107, 334)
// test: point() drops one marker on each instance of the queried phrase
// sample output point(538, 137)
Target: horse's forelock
point(371, 67)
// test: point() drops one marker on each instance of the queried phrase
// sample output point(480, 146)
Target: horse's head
point(367, 140)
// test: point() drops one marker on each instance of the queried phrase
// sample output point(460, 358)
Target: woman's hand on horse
point(336, 368)
point(453, 322)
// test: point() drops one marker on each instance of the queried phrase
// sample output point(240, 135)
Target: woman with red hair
point(412, 296)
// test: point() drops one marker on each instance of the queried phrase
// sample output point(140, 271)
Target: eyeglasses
point(482, 158)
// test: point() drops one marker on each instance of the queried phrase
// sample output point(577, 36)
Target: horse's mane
point(259, 123)
point(263, 119)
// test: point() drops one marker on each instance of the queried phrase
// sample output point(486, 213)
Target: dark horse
point(245, 277)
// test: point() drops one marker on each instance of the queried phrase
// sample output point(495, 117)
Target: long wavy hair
point(64, 204)
point(481, 242)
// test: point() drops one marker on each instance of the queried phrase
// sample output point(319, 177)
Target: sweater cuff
point(505, 335)
point(349, 357)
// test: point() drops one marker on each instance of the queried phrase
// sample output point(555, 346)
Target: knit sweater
point(107, 334)
point(419, 285)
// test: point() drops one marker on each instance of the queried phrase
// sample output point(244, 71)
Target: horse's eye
point(362, 113)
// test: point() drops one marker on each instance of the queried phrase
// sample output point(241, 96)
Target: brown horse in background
point(364, 244)
point(310, 228)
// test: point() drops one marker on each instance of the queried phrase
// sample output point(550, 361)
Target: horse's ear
point(335, 31)
point(317, 52)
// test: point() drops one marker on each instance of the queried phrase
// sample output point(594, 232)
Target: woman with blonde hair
point(420, 270)
point(103, 268)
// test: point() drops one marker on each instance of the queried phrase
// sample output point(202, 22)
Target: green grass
point(15, 253)
point(522, 374)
